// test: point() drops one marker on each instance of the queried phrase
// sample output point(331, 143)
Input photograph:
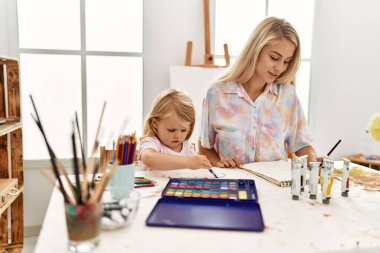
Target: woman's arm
point(160, 161)
point(215, 160)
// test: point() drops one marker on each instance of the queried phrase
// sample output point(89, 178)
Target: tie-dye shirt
point(253, 131)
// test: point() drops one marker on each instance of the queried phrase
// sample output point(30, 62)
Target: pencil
point(331, 150)
point(144, 185)
point(143, 182)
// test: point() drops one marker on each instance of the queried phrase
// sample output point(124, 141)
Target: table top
point(347, 224)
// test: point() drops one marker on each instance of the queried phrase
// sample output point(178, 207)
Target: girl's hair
point(269, 31)
point(170, 102)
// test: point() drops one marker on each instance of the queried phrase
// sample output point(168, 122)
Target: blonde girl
point(170, 123)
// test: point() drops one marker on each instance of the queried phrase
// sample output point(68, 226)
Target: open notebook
point(278, 172)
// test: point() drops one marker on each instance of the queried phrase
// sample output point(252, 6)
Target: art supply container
point(83, 226)
point(119, 212)
point(122, 181)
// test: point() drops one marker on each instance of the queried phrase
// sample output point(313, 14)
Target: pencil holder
point(83, 226)
point(123, 179)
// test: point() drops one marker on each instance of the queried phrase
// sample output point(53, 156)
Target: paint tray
point(226, 204)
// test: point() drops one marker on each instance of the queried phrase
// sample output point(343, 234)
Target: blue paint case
point(225, 204)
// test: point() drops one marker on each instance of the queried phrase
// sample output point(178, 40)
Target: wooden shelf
point(11, 162)
point(9, 127)
point(11, 200)
point(362, 160)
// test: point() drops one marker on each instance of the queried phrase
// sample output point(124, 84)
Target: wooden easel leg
point(226, 55)
point(189, 50)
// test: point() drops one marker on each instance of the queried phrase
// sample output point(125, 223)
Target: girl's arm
point(160, 161)
point(211, 154)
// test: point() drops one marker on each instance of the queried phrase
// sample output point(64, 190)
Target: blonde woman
point(167, 130)
point(252, 113)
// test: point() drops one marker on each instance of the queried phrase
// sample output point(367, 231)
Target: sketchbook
point(227, 204)
point(278, 172)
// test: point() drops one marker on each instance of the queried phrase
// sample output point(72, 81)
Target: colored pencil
point(144, 185)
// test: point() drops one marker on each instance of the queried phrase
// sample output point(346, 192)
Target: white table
point(349, 224)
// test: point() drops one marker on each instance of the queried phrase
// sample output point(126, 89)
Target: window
point(74, 55)
point(246, 14)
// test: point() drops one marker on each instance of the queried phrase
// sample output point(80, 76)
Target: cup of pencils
point(123, 180)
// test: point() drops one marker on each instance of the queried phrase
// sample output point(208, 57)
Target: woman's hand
point(198, 161)
point(231, 162)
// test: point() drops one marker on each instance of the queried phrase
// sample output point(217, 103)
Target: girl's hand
point(198, 161)
point(231, 162)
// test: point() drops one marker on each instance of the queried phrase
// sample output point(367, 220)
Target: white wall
point(168, 25)
point(345, 90)
point(8, 28)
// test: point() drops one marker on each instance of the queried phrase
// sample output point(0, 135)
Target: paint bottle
point(303, 161)
point(345, 177)
point(296, 176)
point(326, 180)
point(313, 181)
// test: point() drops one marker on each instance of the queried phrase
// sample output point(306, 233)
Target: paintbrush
point(76, 169)
point(50, 150)
point(333, 148)
point(212, 172)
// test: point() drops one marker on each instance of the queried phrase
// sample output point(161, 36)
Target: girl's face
point(274, 60)
point(171, 132)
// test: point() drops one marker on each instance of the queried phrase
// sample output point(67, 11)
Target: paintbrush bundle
point(84, 190)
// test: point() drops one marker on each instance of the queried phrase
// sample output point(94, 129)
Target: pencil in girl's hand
point(333, 148)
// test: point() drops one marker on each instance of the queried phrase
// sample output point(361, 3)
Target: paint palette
point(228, 204)
point(233, 189)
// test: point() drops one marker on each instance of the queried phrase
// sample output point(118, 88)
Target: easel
point(208, 57)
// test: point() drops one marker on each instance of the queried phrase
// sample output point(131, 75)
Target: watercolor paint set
point(228, 204)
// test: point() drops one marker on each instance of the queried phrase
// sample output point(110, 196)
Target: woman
point(252, 113)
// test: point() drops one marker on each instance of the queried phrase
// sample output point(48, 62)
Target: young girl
point(170, 123)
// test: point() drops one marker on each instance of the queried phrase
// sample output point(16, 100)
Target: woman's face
point(273, 60)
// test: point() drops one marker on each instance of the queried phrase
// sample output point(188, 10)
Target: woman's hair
point(269, 31)
point(170, 102)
